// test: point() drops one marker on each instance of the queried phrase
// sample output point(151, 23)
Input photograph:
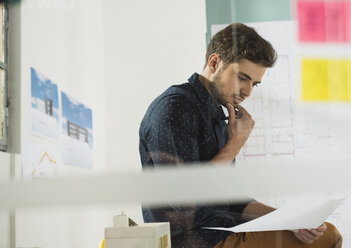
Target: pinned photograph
point(77, 141)
point(44, 105)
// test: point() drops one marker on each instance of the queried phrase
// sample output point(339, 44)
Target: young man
point(186, 124)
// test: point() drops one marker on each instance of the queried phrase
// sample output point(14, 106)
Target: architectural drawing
point(46, 166)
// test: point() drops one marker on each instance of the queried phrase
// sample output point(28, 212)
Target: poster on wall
point(44, 106)
point(40, 160)
point(77, 139)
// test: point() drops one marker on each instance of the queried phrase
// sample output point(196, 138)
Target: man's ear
point(213, 62)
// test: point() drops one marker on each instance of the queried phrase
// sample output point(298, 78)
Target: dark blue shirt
point(185, 125)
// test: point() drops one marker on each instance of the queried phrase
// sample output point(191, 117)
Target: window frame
point(3, 89)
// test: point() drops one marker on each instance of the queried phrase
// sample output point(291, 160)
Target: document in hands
point(293, 216)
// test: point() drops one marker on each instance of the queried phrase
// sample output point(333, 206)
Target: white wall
point(64, 41)
point(116, 57)
point(5, 175)
point(149, 45)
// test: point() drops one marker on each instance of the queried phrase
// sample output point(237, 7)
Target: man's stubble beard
point(214, 89)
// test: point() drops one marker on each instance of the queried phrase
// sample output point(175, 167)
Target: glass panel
point(116, 57)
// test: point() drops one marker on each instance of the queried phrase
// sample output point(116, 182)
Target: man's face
point(235, 82)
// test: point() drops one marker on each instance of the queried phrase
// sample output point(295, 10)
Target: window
point(3, 76)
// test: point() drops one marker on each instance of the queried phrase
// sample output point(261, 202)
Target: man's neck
point(205, 81)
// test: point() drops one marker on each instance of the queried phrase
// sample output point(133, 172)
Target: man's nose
point(246, 90)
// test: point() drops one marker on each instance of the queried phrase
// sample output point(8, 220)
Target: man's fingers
point(231, 112)
point(242, 110)
point(309, 235)
point(322, 228)
point(316, 232)
point(302, 238)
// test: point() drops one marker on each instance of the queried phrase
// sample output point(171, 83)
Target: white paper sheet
point(40, 160)
point(297, 215)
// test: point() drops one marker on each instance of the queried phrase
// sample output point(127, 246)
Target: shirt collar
point(209, 104)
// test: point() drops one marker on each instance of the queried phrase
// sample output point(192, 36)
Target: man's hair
point(238, 41)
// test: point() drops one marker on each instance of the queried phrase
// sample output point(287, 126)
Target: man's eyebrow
point(245, 75)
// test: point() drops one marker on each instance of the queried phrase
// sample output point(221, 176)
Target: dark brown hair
point(238, 41)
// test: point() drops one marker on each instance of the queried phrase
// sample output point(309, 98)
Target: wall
point(228, 11)
point(116, 57)
point(64, 41)
point(5, 175)
point(149, 45)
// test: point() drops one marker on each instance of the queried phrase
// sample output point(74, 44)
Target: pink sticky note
point(324, 21)
point(337, 21)
point(311, 20)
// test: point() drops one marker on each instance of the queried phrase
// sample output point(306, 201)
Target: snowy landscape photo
point(44, 106)
point(77, 139)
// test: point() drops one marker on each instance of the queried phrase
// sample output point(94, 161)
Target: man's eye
point(255, 84)
point(241, 78)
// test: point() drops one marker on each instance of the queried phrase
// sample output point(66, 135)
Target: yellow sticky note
point(337, 80)
point(314, 83)
point(326, 80)
point(348, 76)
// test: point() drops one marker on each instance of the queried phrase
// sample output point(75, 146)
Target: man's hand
point(239, 130)
point(309, 236)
